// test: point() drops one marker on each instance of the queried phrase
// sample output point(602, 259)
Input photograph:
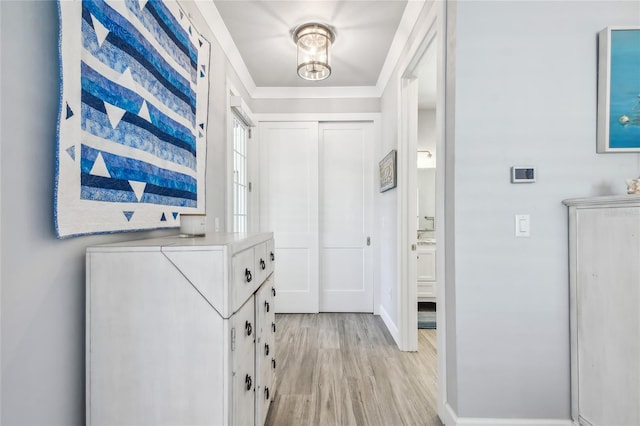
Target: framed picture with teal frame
point(619, 89)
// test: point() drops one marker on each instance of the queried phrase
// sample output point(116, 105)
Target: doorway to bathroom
point(426, 153)
point(422, 162)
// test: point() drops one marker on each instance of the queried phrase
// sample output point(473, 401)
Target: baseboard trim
point(451, 419)
point(393, 329)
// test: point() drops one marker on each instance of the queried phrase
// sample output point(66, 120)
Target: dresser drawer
point(271, 256)
point(262, 261)
point(246, 329)
point(243, 383)
point(245, 278)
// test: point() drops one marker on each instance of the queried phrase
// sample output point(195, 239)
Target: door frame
point(375, 119)
point(434, 31)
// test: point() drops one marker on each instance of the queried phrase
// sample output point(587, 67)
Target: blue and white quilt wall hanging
point(131, 146)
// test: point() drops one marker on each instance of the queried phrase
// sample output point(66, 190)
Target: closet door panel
point(346, 203)
point(289, 208)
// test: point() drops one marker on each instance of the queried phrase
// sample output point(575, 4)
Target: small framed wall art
point(619, 89)
point(388, 173)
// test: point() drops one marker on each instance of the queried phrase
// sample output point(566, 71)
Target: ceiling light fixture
point(314, 42)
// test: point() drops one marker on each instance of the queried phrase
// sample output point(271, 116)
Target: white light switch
point(523, 225)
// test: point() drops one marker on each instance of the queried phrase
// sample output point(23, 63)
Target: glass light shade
point(313, 42)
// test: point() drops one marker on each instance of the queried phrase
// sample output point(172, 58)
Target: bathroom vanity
point(426, 268)
point(181, 331)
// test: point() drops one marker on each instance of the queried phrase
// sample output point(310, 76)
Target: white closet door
point(346, 205)
point(289, 208)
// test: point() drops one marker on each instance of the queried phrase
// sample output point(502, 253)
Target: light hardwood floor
point(345, 369)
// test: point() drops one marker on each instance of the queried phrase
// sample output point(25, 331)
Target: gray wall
point(42, 297)
point(521, 89)
point(525, 93)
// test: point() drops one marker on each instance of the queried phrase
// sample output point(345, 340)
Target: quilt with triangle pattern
point(132, 127)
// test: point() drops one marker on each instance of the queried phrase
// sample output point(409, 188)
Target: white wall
point(525, 93)
point(386, 220)
point(42, 298)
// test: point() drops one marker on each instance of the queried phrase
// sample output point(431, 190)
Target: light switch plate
point(523, 225)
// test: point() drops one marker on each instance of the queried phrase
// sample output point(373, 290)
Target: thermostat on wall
point(523, 174)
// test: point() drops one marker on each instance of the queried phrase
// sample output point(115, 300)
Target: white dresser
point(180, 331)
point(604, 241)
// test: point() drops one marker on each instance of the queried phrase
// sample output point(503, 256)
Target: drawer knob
point(273, 291)
point(273, 326)
point(266, 393)
point(273, 257)
point(266, 305)
point(266, 350)
point(247, 275)
point(263, 265)
point(248, 382)
point(273, 363)
point(248, 327)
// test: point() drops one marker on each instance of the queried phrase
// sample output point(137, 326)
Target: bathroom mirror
point(426, 166)
point(426, 199)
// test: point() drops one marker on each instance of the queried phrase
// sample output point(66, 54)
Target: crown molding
point(221, 33)
point(315, 92)
point(320, 116)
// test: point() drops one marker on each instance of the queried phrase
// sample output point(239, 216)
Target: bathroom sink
point(426, 241)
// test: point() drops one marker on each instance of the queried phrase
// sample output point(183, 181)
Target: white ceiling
point(365, 33)
point(261, 30)
point(256, 36)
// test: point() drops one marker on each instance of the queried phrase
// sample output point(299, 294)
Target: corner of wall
point(391, 326)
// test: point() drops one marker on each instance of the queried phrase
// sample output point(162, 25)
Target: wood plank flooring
point(345, 369)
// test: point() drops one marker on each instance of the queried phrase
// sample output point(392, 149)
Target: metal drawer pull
point(263, 265)
point(273, 291)
point(266, 305)
point(266, 393)
point(248, 382)
point(273, 363)
point(248, 327)
point(273, 326)
point(273, 257)
point(266, 350)
point(247, 275)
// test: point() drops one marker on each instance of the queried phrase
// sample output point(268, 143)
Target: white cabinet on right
point(426, 267)
point(604, 264)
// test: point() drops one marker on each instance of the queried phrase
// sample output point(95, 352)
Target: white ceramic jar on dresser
point(180, 331)
point(604, 264)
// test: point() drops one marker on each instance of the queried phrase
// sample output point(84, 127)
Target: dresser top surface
point(218, 240)
point(605, 201)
